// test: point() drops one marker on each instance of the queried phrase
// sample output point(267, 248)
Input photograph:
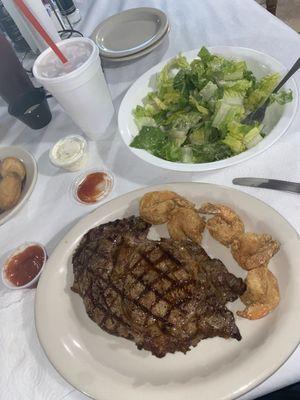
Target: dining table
point(51, 210)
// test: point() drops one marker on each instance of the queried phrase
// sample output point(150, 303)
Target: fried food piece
point(252, 250)
point(262, 294)
point(186, 223)
point(10, 191)
point(225, 226)
point(155, 207)
point(12, 165)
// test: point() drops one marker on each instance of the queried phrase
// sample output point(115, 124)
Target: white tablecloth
point(51, 211)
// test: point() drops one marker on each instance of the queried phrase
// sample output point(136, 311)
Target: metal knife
point(274, 184)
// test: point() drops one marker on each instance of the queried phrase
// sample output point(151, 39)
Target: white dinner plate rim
point(124, 115)
point(130, 196)
point(29, 191)
point(131, 51)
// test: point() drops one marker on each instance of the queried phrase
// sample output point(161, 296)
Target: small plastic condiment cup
point(18, 250)
point(79, 179)
point(75, 163)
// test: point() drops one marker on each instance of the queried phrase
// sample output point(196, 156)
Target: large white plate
point(278, 118)
point(31, 177)
point(130, 31)
point(107, 367)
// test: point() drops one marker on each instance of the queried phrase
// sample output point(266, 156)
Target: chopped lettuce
point(198, 136)
point(282, 97)
point(177, 136)
point(211, 152)
point(201, 109)
point(241, 137)
point(240, 86)
point(209, 91)
point(195, 113)
point(253, 137)
point(187, 155)
point(150, 139)
point(144, 121)
point(171, 152)
point(182, 120)
point(261, 91)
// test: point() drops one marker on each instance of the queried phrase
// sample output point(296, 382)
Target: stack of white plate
point(131, 33)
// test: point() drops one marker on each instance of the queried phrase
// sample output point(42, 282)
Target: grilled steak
point(164, 295)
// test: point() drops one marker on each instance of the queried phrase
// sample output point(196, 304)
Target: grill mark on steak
point(166, 296)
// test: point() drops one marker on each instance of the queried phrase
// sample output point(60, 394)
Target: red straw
point(31, 18)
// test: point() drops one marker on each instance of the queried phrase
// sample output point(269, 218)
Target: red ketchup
point(23, 267)
point(93, 187)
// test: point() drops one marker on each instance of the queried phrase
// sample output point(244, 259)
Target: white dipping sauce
point(69, 153)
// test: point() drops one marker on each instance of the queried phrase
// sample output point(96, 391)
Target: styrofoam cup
point(83, 92)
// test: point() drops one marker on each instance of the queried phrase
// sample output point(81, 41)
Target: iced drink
point(79, 86)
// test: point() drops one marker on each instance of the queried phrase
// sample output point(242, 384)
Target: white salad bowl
point(277, 120)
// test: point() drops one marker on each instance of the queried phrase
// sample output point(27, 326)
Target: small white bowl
point(79, 179)
point(30, 181)
point(75, 162)
point(18, 250)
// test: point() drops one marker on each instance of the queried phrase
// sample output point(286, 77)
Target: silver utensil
point(259, 114)
point(274, 184)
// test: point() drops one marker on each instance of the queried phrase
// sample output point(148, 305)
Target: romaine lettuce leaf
point(187, 155)
point(282, 97)
point(241, 137)
point(182, 120)
point(261, 91)
point(150, 139)
point(177, 136)
point(240, 86)
point(203, 134)
point(253, 137)
point(209, 91)
point(182, 82)
point(205, 55)
point(201, 109)
point(198, 74)
point(198, 136)
point(171, 152)
point(144, 121)
point(233, 70)
point(211, 152)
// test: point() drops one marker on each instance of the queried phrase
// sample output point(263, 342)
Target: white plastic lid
point(70, 75)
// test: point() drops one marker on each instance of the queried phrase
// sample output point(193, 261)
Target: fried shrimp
point(225, 226)
point(185, 223)
point(252, 250)
point(262, 294)
point(155, 207)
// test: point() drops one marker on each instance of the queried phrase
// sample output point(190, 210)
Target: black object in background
point(69, 12)
point(8, 25)
point(14, 81)
point(66, 7)
point(32, 108)
point(291, 392)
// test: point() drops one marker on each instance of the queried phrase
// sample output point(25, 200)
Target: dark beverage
point(14, 81)
point(8, 25)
